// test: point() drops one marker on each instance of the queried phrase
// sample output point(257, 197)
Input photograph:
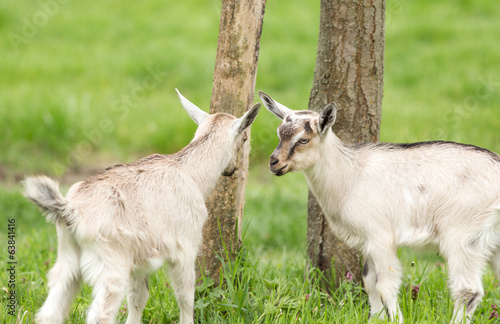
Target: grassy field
point(87, 84)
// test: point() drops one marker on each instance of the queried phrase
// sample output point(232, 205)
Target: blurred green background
point(83, 83)
point(86, 84)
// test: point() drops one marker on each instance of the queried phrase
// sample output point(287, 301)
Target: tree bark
point(349, 71)
point(233, 92)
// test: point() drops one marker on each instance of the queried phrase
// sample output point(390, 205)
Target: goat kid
point(123, 223)
point(379, 196)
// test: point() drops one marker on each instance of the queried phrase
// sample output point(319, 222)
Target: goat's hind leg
point(183, 279)
point(110, 283)
point(495, 263)
point(64, 280)
point(137, 297)
point(465, 267)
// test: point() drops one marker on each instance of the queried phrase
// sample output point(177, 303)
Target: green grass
point(441, 76)
point(269, 282)
point(75, 86)
point(84, 84)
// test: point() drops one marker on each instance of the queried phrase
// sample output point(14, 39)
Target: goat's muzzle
point(275, 168)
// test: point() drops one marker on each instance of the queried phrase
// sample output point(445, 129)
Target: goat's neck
point(332, 176)
point(204, 160)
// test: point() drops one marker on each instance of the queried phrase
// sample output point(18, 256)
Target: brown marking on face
point(307, 127)
point(288, 130)
point(288, 141)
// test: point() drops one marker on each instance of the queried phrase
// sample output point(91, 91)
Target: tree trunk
point(233, 92)
point(349, 71)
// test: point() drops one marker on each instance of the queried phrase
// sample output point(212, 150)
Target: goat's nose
point(273, 161)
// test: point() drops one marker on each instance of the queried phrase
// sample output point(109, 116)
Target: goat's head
point(300, 135)
point(232, 130)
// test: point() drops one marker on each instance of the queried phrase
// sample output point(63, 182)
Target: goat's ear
point(196, 114)
point(247, 119)
point(327, 118)
point(274, 107)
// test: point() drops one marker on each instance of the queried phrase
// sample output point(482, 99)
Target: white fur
point(380, 196)
point(121, 224)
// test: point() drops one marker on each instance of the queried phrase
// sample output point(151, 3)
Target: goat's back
point(150, 199)
point(421, 192)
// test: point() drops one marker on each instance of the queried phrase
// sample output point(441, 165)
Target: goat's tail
point(44, 192)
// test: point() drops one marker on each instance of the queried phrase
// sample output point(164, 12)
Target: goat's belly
point(149, 265)
point(416, 237)
point(345, 234)
point(155, 263)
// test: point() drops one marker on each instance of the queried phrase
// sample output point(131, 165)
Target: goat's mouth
point(279, 172)
point(228, 173)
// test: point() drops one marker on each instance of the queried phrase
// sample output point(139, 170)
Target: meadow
point(88, 84)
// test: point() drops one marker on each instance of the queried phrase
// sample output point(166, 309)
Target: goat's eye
point(303, 141)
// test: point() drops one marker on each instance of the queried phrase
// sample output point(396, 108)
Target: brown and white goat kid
point(119, 225)
point(379, 196)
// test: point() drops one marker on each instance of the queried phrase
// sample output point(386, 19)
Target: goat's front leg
point(64, 280)
point(183, 279)
point(388, 273)
point(370, 281)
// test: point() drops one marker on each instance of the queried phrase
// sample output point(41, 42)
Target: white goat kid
point(379, 196)
point(123, 223)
